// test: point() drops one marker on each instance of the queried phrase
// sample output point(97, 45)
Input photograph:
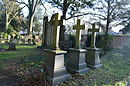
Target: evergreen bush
point(72, 38)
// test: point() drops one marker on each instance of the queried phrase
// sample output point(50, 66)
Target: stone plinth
point(56, 71)
point(76, 62)
point(92, 58)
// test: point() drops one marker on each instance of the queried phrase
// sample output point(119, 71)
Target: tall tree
point(72, 7)
point(31, 5)
point(10, 9)
point(111, 11)
point(126, 22)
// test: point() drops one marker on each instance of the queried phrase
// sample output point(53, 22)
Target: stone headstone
point(45, 28)
point(78, 29)
point(93, 36)
point(62, 31)
point(92, 54)
point(56, 22)
point(55, 69)
point(76, 62)
point(49, 33)
point(12, 46)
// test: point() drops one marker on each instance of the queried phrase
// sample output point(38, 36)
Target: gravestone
point(47, 32)
point(12, 46)
point(45, 29)
point(62, 31)
point(55, 69)
point(76, 62)
point(92, 56)
point(128, 81)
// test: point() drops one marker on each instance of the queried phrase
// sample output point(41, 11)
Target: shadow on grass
point(29, 71)
point(115, 71)
point(20, 52)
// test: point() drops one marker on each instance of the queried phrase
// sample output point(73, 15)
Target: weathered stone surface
point(51, 32)
point(56, 22)
point(93, 36)
point(45, 30)
point(76, 61)
point(78, 29)
point(56, 71)
point(92, 58)
point(92, 54)
point(12, 46)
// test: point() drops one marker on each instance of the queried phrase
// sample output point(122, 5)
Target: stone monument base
point(76, 61)
point(92, 58)
point(55, 69)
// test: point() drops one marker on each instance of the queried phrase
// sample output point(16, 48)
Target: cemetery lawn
point(26, 64)
point(115, 71)
point(22, 51)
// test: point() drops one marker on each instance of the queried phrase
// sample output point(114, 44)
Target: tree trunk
point(108, 18)
point(62, 31)
point(30, 28)
point(6, 21)
point(62, 27)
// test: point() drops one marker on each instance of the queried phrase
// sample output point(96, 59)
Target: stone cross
point(78, 28)
point(93, 37)
point(56, 22)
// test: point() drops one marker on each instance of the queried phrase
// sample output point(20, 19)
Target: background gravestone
point(76, 62)
point(12, 46)
point(45, 28)
point(92, 56)
point(47, 32)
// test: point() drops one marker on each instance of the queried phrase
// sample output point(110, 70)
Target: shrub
point(10, 29)
point(72, 38)
point(5, 35)
point(104, 42)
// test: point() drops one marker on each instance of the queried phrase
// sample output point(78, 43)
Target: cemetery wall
point(117, 42)
point(120, 41)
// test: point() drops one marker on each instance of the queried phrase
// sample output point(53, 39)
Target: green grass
point(115, 71)
point(20, 52)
